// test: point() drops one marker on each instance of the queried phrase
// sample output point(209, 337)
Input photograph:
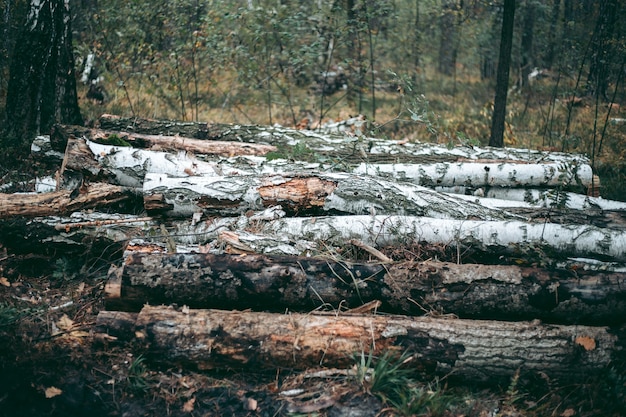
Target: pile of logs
point(268, 247)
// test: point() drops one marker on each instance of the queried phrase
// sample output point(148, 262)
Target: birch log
point(485, 174)
point(497, 238)
point(269, 233)
point(529, 197)
point(338, 193)
point(470, 349)
point(130, 165)
point(167, 143)
point(276, 283)
point(344, 141)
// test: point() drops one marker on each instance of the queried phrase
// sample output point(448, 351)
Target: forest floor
point(52, 363)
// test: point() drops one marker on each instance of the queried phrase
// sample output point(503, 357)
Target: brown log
point(161, 142)
point(470, 349)
point(61, 202)
point(169, 143)
point(277, 283)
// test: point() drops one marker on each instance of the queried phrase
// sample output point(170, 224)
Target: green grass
point(391, 378)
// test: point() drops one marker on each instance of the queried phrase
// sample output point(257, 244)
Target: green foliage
point(9, 314)
point(389, 378)
point(64, 269)
point(137, 378)
point(114, 140)
point(512, 392)
point(299, 152)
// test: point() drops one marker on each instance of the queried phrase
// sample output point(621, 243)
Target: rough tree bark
point(42, 86)
point(530, 197)
point(470, 349)
point(61, 202)
point(276, 283)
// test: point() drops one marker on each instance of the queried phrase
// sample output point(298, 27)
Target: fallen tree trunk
point(485, 174)
point(277, 283)
point(129, 166)
point(469, 349)
point(173, 143)
point(345, 144)
point(268, 232)
point(540, 241)
point(304, 194)
point(61, 202)
point(425, 164)
point(101, 235)
point(528, 197)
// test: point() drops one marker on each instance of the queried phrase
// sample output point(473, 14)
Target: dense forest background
point(418, 69)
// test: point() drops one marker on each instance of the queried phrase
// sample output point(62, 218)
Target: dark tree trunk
point(447, 47)
point(550, 55)
point(487, 52)
point(601, 49)
point(276, 283)
point(528, 28)
point(502, 81)
point(42, 86)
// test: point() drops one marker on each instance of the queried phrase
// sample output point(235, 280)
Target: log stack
point(270, 247)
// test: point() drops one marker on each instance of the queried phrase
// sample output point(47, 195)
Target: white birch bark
point(130, 165)
point(530, 197)
point(480, 174)
point(488, 236)
point(330, 192)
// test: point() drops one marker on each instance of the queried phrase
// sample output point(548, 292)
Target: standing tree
point(42, 86)
point(603, 49)
point(448, 42)
point(526, 47)
point(502, 78)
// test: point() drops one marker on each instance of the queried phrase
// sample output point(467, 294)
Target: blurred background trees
point(422, 69)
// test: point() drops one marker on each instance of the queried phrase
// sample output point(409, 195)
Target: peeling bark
point(336, 193)
point(61, 202)
point(530, 197)
point(469, 349)
point(547, 240)
point(130, 165)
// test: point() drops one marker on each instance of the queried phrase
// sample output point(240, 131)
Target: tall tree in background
point(448, 42)
point(42, 86)
point(602, 49)
point(502, 78)
point(526, 46)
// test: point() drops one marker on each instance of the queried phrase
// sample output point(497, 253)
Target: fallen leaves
point(52, 392)
point(67, 325)
point(188, 406)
